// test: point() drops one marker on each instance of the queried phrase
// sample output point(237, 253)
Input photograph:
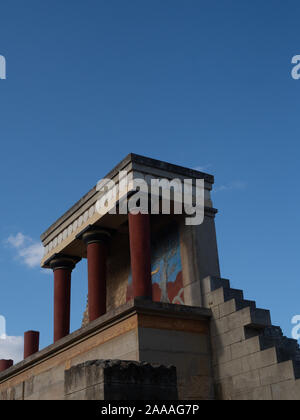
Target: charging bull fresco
point(167, 280)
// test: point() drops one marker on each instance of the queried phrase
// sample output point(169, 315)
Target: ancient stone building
point(156, 299)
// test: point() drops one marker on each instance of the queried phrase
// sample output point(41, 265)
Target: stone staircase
point(252, 359)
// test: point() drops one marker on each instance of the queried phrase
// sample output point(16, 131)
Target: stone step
point(266, 342)
point(216, 283)
point(296, 369)
point(287, 349)
point(210, 284)
point(284, 354)
point(273, 331)
point(222, 295)
point(259, 318)
point(239, 330)
point(297, 356)
point(248, 317)
point(234, 305)
point(241, 304)
point(233, 294)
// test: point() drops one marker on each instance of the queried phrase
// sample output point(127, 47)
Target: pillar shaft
point(5, 364)
point(97, 256)
point(31, 343)
point(62, 267)
point(62, 302)
point(140, 253)
point(96, 239)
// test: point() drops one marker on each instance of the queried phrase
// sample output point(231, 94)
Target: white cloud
point(11, 348)
point(235, 185)
point(202, 168)
point(29, 251)
point(16, 241)
point(32, 255)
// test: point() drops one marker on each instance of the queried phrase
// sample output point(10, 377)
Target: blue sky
point(197, 83)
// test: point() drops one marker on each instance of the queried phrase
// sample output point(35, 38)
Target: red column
point(31, 343)
point(96, 240)
point(62, 268)
point(140, 252)
point(62, 302)
point(5, 364)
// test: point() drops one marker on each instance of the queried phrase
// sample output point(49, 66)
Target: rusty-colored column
point(62, 267)
point(5, 364)
point(31, 343)
point(140, 252)
point(96, 241)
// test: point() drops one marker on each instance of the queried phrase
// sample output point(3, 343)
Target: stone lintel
point(62, 236)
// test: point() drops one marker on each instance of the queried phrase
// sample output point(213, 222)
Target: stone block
point(120, 380)
point(221, 355)
point(244, 348)
point(224, 389)
point(199, 387)
point(287, 390)
point(4, 395)
point(219, 326)
point(248, 316)
point(192, 294)
point(232, 368)
point(186, 364)
point(246, 382)
point(227, 308)
point(210, 284)
point(259, 360)
point(223, 340)
point(279, 372)
point(263, 393)
point(215, 310)
point(172, 341)
point(28, 387)
point(16, 393)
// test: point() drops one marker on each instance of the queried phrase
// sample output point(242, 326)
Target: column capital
point(62, 261)
point(93, 234)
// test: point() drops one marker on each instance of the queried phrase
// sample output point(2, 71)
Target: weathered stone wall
point(199, 256)
point(186, 345)
point(41, 376)
point(138, 331)
point(120, 380)
point(118, 271)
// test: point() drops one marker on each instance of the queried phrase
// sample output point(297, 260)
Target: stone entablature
point(61, 237)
